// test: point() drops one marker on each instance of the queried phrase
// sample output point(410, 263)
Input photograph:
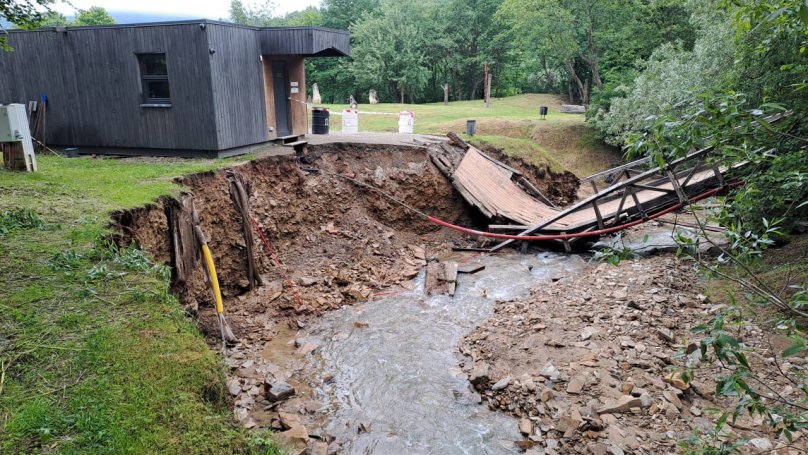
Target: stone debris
point(525, 426)
point(279, 391)
point(601, 376)
point(501, 384)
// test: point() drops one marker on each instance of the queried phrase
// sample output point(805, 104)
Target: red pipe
point(534, 238)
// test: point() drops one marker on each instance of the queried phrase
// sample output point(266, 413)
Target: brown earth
point(584, 362)
point(561, 189)
point(339, 242)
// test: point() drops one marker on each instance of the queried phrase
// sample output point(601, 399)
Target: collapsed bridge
point(634, 195)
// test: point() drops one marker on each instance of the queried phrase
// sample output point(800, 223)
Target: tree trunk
point(583, 89)
point(488, 92)
point(457, 85)
point(445, 94)
point(402, 94)
point(592, 59)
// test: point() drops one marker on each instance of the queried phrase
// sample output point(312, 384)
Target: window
point(154, 79)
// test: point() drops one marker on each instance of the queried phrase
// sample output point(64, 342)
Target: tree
point(388, 49)
point(257, 15)
point(95, 15)
point(55, 19)
point(25, 14)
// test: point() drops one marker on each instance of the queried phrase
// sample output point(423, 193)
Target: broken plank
point(470, 268)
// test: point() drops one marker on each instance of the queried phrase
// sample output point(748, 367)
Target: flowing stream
point(396, 368)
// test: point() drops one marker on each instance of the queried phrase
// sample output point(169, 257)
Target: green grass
point(96, 356)
point(561, 141)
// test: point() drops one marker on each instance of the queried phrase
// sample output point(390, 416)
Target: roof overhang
point(305, 41)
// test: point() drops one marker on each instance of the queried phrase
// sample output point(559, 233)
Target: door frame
point(286, 101)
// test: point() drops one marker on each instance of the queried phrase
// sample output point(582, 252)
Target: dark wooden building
point(189, 88)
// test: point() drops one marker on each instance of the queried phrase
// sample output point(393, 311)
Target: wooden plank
point(470, 268)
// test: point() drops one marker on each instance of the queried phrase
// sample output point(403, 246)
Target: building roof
point(309, 41)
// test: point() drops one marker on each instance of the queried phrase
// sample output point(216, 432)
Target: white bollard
point(350, 121)
point(406, 121)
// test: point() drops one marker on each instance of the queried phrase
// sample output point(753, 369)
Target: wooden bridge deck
point(502, 194)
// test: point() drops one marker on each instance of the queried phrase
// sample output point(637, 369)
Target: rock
point(307, 281)
point(361, 325)
point(547, 395)
point(671, 411)
point(296, 437)
point(502, 383)
point(358, 293)
point(665, 334)
point(615, 450)
point(550, 371)
point(418, 252)
point(234, 387)
point(289, 420)
point(480, 375)
point(761, 443)
point(619, 295)
point(568, 423)
point(675, 379)
point(600, 449)
point(695, 410)
point(524, 444)
point(576, 385)
point(587, 333)
point(315, 94)
point(529, 385)
point(627, 387)
point(279, 391)
point(306, 349)
point(671, 397)
point(318, 448)
point(525, 426)
point(624, 404)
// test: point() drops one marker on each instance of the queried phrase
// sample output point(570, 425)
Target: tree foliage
point(94, 15)
point(25, 14)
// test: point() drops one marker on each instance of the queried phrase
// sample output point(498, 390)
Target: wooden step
point(284, 140)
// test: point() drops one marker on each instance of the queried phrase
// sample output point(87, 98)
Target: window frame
point(145, 79)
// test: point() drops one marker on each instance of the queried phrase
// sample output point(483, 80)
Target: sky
point(207, 9)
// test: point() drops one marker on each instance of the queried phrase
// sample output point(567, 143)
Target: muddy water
point(396, 367)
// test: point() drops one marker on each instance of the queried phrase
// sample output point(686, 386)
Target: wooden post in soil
point(485, 84)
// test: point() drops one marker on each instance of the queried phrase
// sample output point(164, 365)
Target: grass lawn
point(561, 141)
point(95, 355)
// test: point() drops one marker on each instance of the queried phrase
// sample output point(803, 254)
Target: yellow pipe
point(214, 279)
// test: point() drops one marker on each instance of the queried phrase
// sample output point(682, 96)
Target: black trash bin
point(471, 127)
point(543, 111)
point(319, 120)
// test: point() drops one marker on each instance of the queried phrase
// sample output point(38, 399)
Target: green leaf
point(794, 350)
point(804, 13)
point(742, 360)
